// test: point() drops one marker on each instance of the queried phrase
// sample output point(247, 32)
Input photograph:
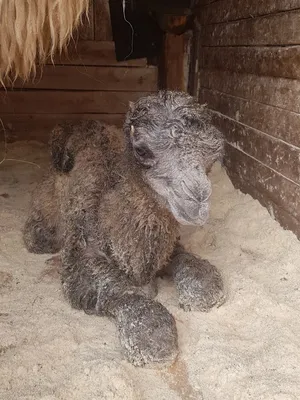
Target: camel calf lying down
point(111, 204)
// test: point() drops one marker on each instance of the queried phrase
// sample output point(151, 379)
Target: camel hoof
point(199, 285)
point(147, 331)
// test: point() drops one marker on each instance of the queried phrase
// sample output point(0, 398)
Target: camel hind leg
point(42, 230)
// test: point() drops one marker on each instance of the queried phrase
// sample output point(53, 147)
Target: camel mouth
point(191, 216)
point(185, 222)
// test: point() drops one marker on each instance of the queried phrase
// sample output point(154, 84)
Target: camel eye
point(141, 152)
point(144, 155)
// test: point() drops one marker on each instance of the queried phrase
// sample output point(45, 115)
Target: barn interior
point(242, 59)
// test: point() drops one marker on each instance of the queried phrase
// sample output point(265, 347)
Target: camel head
point(171, 138)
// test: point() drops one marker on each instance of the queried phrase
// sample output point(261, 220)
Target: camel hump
point(67, 139)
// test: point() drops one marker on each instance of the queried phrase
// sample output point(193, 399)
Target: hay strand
point(6, 151)
point(31, 31)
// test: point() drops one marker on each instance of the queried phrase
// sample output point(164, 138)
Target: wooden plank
point(278, 29)
point(279, 123)
point(173, 60)
point(38, 126)
point(102, 20)
point(274, 153)
point(194, 64)
point(232, 10)
point(272, 61)
point(275, 187)
point(95, 53)
point(53, 102)
point(279, 92)
point(206, 2)
point(95, 78)
point(286, 220)
point(87, 30)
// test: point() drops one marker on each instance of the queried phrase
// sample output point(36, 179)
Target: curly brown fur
point(113, 211)
point(66, 141)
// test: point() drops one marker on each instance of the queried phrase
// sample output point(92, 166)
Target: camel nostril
point(200, 195)
point(189, 192)
point(204, 212)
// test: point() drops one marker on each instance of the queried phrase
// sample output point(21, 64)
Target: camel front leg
point(93, 282)
point(199, 283)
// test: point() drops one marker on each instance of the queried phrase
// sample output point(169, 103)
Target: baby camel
point(112, 202)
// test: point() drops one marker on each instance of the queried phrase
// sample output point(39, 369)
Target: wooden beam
point(102, 20)
point(87, 29)
point(38, 126)
point(53, 102)
point(95, 78)
point(173, 65)
point(95, 53)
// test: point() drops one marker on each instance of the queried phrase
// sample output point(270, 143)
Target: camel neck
point(136, 174)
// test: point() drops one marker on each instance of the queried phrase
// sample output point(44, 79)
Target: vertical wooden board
point(278, 123)
point(102, 20)
point(86, 30)
point(271, 61)
point(194, 69)
point(174, 62)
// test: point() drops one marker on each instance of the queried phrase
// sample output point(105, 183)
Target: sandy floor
point(247, 349)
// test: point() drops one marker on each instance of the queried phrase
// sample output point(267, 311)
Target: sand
point(247, 349)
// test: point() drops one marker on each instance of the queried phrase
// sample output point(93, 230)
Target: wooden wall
point(88, 83)
point(250, 78)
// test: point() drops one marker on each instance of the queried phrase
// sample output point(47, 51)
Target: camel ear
point(132, 130)
point(131, 106)
point(134, 135)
